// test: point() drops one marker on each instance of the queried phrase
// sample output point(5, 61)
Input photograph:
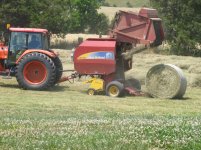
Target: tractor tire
point(115, 89)
point(59, 69)
point(35, 71)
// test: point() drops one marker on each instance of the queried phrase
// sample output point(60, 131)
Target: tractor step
point(6, 77)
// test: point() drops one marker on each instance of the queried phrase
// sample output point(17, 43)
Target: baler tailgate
point(142, 28)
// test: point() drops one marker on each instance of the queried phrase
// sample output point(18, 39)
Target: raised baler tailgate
point(138, 28)
point(95, 57)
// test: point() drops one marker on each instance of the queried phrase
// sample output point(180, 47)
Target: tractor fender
point(51, 54)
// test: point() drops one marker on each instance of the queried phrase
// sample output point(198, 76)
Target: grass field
point(66, 118)
point(134, 3)
point(111, 11)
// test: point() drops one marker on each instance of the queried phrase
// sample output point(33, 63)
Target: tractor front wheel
point(36, 71)
point(115, 89)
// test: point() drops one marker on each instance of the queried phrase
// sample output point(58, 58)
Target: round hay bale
point(166, 81)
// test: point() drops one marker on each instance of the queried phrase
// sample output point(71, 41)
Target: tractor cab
point(22, 39)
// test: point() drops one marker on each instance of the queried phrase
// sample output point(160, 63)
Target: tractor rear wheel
point(59, 68)
point(35, 71)
point(115, 89)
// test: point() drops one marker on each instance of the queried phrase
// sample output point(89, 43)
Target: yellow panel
point(97, 84)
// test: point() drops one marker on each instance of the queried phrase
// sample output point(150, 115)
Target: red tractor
point(29, 59)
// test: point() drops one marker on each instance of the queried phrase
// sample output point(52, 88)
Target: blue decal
point(97, 55)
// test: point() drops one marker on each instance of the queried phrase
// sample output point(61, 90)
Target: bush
point(106, 4)
point(101, 24)
point(129, 4)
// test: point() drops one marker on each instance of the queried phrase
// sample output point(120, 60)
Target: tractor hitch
point(69, 78)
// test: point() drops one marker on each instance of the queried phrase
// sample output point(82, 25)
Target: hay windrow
point(196, 81)
point(195, 69)
point(163, 81)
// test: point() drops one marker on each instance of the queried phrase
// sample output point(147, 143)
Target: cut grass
point(65, 117)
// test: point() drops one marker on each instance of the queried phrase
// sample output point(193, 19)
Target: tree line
point(58, 16)
point(182, 22)
point(181, 19)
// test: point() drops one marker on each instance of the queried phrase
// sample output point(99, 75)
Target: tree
point(86, 16)
point(58, 16)
point(14, 12)
point(182, 24)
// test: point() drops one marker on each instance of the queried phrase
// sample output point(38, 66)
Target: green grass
point(65, 117)
point(134, 3)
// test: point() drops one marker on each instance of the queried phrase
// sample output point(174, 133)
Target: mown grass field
point(111, 11)
point(65, 117)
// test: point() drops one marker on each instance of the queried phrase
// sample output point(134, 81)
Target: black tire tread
point(59, 69)
point(119, 85)
point(40, 57)
point(91, 89)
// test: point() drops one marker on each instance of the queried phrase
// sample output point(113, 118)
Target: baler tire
point(59, 69)
point(91, 92)
point(35, 71)
point(115, 89)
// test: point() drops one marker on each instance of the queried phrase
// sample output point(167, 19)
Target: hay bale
point(166, 81)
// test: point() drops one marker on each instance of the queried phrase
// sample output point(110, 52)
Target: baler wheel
point(35, 71)
point(91, 92)
point(115, 89)
point(59, 68)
